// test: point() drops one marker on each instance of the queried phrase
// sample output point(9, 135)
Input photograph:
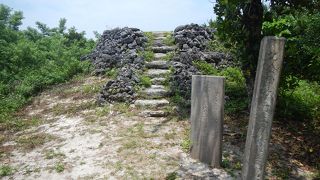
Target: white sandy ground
point(89, 145)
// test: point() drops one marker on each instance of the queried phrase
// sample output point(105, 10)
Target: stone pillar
point(262, 107)
point(207, 109)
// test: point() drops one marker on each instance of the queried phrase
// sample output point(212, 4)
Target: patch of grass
point(145, 81)
point(15, 123)
point(172, 176)
point(59, 167)
point(138, 131)
point(169, 40)
point(103, 111)
point(186, 143)
point(52, 154)
point(123, 108)
point(130, 144)
point(183, 105)
point(170, 135)
point(112, 73)
point(90, 89)
point(205, 68)
point(148, 55)
point(5, 170)
point(169, 56)
point(150, 37)
point(32, 141)
point(71, 109)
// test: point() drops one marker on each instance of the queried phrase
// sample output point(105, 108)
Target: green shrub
point(150, 37)
point(235, 85)
point(34, 59)
point(235, 90)
point(147, 55)
point(301, 103)
point(112, 73)
point(169, 56)
point(205, 68)
point(5, 170)
point(59, 167)
point(145, 81)
point(169, 40)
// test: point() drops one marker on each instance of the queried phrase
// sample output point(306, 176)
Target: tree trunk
point(252, 20)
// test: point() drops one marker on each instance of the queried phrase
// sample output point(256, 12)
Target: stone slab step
point(153, 73)
point(160, 33)
point(158, 81)
point(154, 93)
point(161, 38)
point(153, 114)
point(157, 87)
point(158, 43)
point(159, 56)
point(162, 49)
point(152, 103)
point(157, 65)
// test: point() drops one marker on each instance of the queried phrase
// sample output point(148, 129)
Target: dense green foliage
point(33, 59)
point(299, 23)
point(235, 85)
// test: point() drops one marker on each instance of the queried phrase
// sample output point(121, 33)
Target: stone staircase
point(154, 100)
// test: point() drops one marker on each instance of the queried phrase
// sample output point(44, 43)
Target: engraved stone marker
point(207, 109)
point(262, 107)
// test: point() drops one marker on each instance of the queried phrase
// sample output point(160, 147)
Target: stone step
point(158, 81)
point(153, 114)
point(154, 92)
point(157, 65)
point(153, 73)
point(159, 56)
point(162, 49)
point(155, 103)
point(157, 87)
point(160, 38)
point(160, 33)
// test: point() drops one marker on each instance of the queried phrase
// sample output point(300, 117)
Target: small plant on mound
point(59, 167)
point(147, 55)
point(150, 37)
point(235, 85)
point(169, 40)
point(112, 73)
point(169, 56)
point(205, 68)
point(145, 81)
point(5, 170)
point(235, 90)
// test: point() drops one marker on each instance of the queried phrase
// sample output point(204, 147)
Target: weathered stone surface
point(162, 49)
point(153, 73)
point(192, 41)
point(155, 92)
point(116, 48)
point(159, 56)
point(157, 65)
point(192, 36)
point(262, 107)
point(207, 112)
point(153, 113)
point(158, 81)
point(157, 34)
point(152, 103)
point(193, 169)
